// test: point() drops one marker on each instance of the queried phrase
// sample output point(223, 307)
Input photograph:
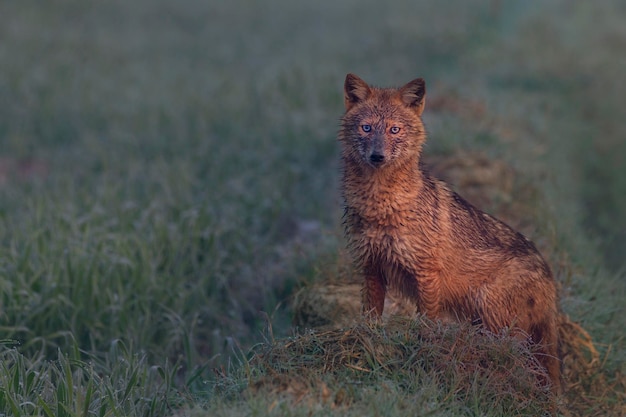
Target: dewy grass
point(120, 383)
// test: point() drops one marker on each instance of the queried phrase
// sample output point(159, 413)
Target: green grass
point(168, 179)
point(118, 383)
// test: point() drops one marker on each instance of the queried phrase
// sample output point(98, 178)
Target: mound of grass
point(418, 365)
point(415, 366)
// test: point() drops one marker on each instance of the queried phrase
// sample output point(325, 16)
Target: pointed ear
point(414, 95)
point(354, 91)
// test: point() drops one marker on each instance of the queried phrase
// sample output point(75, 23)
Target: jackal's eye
point(395, 130)
point(366, 128)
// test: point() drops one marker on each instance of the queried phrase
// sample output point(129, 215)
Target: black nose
point(377, 158)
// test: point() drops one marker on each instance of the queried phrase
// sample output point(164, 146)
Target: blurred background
point(169, 170)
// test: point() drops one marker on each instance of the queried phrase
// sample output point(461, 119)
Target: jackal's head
point(382, 126)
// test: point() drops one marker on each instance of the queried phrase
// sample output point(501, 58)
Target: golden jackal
point(410, 232)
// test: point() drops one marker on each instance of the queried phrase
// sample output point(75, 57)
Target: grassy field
point(169, 179)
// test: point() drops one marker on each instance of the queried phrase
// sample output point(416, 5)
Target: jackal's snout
point(377, 159)
point(376, 155)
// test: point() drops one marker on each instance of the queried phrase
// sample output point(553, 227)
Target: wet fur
point(410, 232)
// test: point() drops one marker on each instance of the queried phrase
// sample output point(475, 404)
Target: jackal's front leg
point(373, 295)
point(429, 296)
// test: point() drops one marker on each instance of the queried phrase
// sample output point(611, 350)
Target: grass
point(406, 364)
point(168, 180)
point(118, 383)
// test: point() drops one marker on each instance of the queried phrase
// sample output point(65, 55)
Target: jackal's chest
point(383, 222)
point(391, 238)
